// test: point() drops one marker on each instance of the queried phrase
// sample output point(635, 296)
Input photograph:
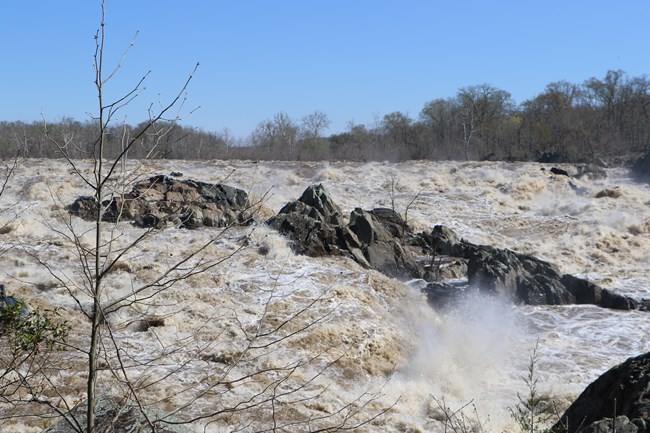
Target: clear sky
point(355, 60)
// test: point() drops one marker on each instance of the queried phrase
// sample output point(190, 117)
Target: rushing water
point(476, 351)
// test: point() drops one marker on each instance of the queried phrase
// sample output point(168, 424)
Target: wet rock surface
point(163, 201)
point(380, 239)
point(641, 168)
point(619, 400)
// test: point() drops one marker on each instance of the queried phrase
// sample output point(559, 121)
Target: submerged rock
point(162, 201)
point(622, 392)
point(114, 415)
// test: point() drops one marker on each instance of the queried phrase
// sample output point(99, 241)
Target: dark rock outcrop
point(372, 238)
point(162, 201)
point(586, 292)
point(521, 277)
point(641, 168)
point(622, 392)
point(6, 300)
point(380, 239)
point(559, 172)
point(313, 223)
point(112, 415)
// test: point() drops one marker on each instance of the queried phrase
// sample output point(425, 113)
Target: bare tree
point(225, 370)
point(315, 123)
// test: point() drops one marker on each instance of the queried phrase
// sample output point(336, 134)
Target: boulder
point(622, 392)
point(162, 201)
point(313, 224)
point(114, 415)
point(586, 292)
point(520, 277)
point(372, 238)
point(641, 168)
point(559, 172)
point(381, 233)
point(6, 301)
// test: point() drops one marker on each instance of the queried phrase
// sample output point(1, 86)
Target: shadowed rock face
point(162, 201)
point(641, 168)
point(373, 239)
point(380, 239)
point(623, 391)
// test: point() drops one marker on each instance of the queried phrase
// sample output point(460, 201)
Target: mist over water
point(388, 338)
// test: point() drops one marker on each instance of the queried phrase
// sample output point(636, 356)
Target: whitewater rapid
point(477, 351)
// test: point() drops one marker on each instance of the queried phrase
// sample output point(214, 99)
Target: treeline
point(600, 118)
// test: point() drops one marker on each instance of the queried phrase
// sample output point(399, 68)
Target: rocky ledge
point(162, 201)
point(380, 239)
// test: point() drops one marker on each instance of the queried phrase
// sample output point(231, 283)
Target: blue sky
point(355, 60)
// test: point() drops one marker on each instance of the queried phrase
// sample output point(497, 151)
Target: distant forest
point(600, 119)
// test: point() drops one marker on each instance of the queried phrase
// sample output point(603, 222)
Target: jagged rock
point(313, 223)
point(380, 239)
point(623, 391)
point(520, 277)
point(586, 292)
point(373, 239)
point(641, 168)
point(445, 242)
point(113, 415)
point(162, 201)
point(318, 198)
point(380, 232)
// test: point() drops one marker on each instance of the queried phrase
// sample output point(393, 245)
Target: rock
point(445, 242)
point(441, 295)
point(611, 193)
point(641, 168)
point(318, 198)
point(162, 201)
point(609, 425)
point(7, 301)
point(114, 415)
point(586, 292)
point(372, 238)
point(312, 223)
point(379, 233)
point(559, 172)
point(520, 277)
point(590, 171)
point(380, 239)
point(623, 391)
